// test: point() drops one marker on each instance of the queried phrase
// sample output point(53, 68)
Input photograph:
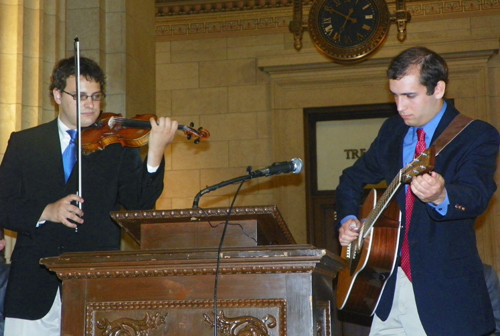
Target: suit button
point(60, 247)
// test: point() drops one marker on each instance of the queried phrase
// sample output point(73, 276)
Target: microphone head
point(297, 165)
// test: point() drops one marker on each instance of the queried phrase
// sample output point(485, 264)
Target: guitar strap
point(456, 126)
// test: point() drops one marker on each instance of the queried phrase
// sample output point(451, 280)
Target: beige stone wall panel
point(181, 183)
point(249, 98)
point(198, 50)
point(164, 103)
point(177, 76)
point(265, 122)
point(253, 152)
point(205, 101)
point(163, 52)
point(205, 155)
point(89, 38)
point(231, 126)
point(115, 37)
point(227, 73)
point(179, 203)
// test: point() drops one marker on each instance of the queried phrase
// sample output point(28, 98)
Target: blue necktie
point(69, 155)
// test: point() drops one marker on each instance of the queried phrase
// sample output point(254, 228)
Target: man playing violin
point(39, 204)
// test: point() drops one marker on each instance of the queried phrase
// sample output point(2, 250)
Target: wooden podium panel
point(202, 228)
point(266, 285)
point(265, 290)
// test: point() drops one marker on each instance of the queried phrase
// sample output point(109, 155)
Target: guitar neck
point(422, 164)
point(382, 203)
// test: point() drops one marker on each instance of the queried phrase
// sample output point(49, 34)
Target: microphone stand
point(241, 179)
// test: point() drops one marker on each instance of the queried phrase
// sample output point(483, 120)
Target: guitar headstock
point(424, 163)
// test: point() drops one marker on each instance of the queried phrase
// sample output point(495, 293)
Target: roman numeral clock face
point(348, 30)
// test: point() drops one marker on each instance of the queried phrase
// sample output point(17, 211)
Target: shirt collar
point(431, 126)
point(63, 134)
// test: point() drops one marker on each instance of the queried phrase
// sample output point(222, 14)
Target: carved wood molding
point(272, 259)
point(241, 325)
point(324, 326)
point(115, 314)
point(127, 325)
point(160, 272)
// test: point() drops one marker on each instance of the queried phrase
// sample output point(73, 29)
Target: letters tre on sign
point(353, 154)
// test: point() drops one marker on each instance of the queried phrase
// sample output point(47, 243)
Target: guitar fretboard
point(382, 203)
point(421, 164)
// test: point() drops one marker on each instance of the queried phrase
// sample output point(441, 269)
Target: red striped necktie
point(410, 199)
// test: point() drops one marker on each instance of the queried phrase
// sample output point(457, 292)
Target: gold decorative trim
point(179, 20)
point(175, 8)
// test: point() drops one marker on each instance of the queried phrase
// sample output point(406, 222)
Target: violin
point(113, 128)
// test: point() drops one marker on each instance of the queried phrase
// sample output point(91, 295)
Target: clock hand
point(347, 17)
point(341, 30)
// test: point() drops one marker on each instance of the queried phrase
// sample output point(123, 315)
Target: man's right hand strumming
point(349, 231)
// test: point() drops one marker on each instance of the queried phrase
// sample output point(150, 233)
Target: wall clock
point(348, 30)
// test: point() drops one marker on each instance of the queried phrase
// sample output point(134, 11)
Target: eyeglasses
point(96, 96)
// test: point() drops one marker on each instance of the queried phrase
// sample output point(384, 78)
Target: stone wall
point(237, 73)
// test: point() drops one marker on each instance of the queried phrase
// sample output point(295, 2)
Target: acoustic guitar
point(371, 258)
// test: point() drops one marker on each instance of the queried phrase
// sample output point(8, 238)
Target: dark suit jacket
point(31, 176)
point(447, 271)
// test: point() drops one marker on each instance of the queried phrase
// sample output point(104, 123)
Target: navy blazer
point(447, 272)
point(32, 176)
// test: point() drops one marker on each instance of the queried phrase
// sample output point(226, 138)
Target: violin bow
point(78, 120)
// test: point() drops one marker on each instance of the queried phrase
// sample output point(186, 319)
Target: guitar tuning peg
point(197, 141)
point(191, 124)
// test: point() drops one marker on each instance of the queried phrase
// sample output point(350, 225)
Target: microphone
point(293, 166)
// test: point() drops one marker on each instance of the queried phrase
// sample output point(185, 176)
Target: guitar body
point(370, 260)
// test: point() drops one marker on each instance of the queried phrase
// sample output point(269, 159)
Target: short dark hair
point(432, 66)
point(66, 68)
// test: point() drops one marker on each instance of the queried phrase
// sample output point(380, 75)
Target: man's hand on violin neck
point(162, 134)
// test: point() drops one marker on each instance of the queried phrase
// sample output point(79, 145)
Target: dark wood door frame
point(320, 207)
point(321, 213)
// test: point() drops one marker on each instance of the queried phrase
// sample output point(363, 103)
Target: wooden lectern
point(267, 285)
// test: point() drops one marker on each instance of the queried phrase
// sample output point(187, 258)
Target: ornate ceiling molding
point(187, 7)
point(198, 19)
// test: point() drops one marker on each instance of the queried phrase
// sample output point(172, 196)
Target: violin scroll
point(199, 134)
